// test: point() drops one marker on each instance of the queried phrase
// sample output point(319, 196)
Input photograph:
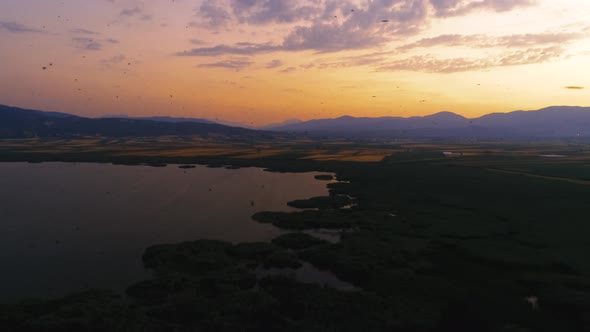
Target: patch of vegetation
point(255, 250)
point(334, 219)
point(297, 241)
point(93, 310)
point(195, 257)
point(357, 257)
point(282, 260)
point(322, 202)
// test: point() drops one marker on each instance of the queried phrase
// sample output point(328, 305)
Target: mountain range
point(169, 119)
point(555, 121)
point(22, 123)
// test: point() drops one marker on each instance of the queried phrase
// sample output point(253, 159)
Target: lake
point(66, 227)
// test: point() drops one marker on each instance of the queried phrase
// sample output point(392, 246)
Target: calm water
point(68, 227)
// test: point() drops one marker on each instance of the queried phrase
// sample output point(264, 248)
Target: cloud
point(14, 27)
point(447, 8)
point(273, 64)
point(446, 40)
point(80, 31)
point(485, 41)
point(274, 11)
point(137, 12)
point(530, 56)
point(92, 44)
point(257, 12)
point(115, 59)
point(260, 12)
point(236, 64)
point(131, 11)
point(363, 60)
point(321, 37)
point(431, 64)
point(196, 41)
point(330, 38)
point(330, 25)
point(288, 70)
point(85, 43)
point(377, 23)
point(322, 26)
point(574, 87)
point(118, 63)
point(213, 15)
point(236, 49)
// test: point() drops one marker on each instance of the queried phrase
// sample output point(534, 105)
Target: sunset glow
point(257, 62)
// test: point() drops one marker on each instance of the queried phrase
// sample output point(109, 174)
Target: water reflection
point(309, 274)
point(66, 227)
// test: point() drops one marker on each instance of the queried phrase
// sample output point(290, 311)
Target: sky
point(256, 62)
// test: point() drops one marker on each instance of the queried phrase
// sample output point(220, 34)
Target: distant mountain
point(346, 123)
point(550, 121)
point(20, 123)
point(282, 124)
point(176, 120)
point(156, 118)
point(556, 121)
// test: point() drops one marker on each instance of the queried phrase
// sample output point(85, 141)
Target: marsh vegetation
point(433, 244)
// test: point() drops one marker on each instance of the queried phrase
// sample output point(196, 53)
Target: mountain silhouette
point(22, 123)
point(555, 121)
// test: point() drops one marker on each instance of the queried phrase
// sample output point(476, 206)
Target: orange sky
point(262, 61)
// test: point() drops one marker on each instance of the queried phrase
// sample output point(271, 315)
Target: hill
point(22, 123)
point(556, 121)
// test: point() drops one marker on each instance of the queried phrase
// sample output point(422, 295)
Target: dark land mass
point(324, 177)
point(550, 122)
point(21, 123)
point(556, 121)
point(333, 201)
point(493, 238)
point(173, 119)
